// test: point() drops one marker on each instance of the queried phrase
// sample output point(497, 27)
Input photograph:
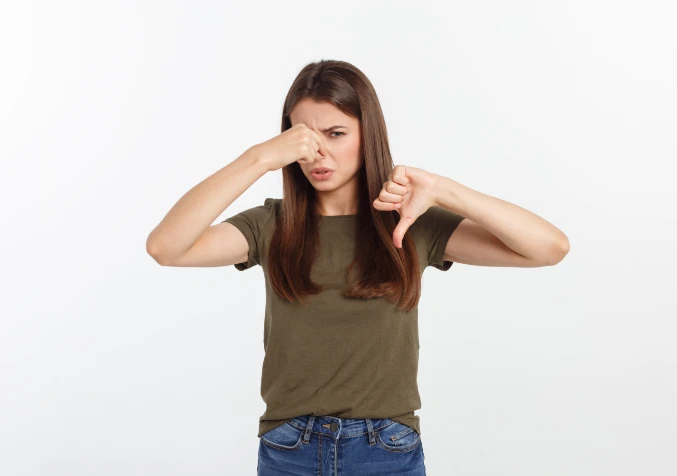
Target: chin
point(332, 183)
point(324, 187)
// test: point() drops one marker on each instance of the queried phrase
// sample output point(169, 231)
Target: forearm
point(197, 209)
point(521, 230)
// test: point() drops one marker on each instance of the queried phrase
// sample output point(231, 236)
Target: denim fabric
point(330, 446)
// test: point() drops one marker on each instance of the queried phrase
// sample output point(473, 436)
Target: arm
point(186, 227)
point(495, 232)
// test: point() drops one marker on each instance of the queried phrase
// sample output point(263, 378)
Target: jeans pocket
point(397, 437)
point(284, 437)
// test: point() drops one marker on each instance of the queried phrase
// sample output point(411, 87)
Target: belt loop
point(372, 433)
point(309, 428)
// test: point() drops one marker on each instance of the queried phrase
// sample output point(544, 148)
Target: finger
point(399, 175)
point(401, 228)
point(385, 196)
point(385, 206)
point(314, 149)
point(321, 145)
point(307, 152)
point(393, 187)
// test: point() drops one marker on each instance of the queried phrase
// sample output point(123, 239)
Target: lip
point(321, 176)
point(320, 169)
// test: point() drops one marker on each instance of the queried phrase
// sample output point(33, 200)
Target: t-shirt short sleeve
point(251, 223)
point(437, 225)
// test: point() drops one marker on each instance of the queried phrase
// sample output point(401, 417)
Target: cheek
point(347, 153)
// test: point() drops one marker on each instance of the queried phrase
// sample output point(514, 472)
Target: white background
point(110, 111)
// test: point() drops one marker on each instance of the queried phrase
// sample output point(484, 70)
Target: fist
point(410, 191)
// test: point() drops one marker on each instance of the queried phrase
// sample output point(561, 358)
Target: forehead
point(319, 114)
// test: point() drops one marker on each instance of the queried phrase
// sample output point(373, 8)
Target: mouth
point(321, 173)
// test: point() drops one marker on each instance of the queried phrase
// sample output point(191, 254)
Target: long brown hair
point(383, 270)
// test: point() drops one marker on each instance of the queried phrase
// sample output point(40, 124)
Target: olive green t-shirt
point(348, 358)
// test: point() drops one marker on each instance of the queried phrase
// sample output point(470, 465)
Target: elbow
point(558, 250)
point(155, 250)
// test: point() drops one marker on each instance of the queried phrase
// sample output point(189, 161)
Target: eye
point(337, 132)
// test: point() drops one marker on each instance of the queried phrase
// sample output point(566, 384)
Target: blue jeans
point(325, 445)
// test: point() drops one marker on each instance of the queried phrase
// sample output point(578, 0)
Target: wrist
point(256, 159)
point(436, 185)
point(447, 194)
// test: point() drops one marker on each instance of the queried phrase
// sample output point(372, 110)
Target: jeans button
point(334, 426)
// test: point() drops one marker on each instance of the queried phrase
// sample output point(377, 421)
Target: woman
point(343, 254)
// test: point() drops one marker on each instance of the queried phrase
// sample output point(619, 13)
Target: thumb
point(399, 175)
point(401, 228)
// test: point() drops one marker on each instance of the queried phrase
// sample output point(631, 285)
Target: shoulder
point(272, 204)
point(257, 217)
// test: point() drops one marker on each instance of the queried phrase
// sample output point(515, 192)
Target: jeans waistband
point(340, 427)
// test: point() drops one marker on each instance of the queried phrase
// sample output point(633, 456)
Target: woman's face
point(343, 145)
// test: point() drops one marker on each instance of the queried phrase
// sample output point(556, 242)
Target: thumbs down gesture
point(410, 191)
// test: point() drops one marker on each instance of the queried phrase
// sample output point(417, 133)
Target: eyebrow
point(332, 128)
